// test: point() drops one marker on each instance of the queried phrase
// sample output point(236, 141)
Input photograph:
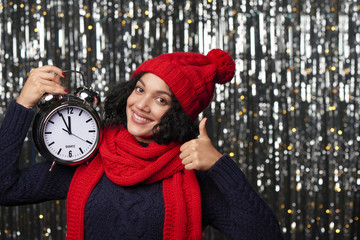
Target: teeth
point(140, 118)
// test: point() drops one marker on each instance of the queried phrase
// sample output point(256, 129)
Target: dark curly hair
point(174, 126)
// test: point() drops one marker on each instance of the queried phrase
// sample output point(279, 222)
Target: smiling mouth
point(141, 118)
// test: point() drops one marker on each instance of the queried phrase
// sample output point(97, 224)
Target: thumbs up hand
point(199, 154)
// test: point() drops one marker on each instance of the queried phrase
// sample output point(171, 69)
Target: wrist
point(23, 103)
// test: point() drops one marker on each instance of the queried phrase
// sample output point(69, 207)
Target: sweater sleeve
point(231, 205)
point(32, 184)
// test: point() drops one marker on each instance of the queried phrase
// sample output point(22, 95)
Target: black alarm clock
point(66, 129)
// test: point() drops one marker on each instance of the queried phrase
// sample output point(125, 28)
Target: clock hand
point(68, 130)
point(75, 135)
point(69, 122)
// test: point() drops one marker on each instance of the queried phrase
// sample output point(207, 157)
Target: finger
point(202, 128)
point(185, 146)
point(50, 77)
point(54, 89)
point(51, 68)
point(39, 87)
point(51, 87)
point(190, 166)
point(188, 144)
point(188, 147)
point(186, 160)
point(184, 154)
point(36, 76)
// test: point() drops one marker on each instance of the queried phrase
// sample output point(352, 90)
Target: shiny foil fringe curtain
point(290, 117)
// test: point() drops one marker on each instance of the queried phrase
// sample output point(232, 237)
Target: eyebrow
point(159, 91)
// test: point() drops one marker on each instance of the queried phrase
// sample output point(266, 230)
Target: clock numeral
point(91, 131)
point(59, 151)
point(51, 122)
point(70, 153)
point(81, 112)
point(89, 120)
point(70, 110)
point(88, 142)
point(51, 144)
point(81, 150)
point(48, 132)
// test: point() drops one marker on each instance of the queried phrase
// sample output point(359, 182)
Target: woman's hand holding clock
point(46, 79)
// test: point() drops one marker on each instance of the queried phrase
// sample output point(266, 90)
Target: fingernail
point(64, 75)
point(65, 90)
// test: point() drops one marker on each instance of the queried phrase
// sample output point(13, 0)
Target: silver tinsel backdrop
point(290, 118)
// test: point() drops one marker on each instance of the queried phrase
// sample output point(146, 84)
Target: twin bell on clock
point(66, 129)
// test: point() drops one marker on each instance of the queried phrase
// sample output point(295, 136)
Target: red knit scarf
point(127, 163)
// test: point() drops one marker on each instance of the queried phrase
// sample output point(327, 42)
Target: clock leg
point(52, 166)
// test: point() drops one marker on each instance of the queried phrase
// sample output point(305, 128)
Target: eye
point(139, 89)
point(161, 100)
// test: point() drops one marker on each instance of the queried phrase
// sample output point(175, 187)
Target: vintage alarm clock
point(66, 130)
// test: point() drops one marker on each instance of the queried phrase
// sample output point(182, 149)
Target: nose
point(143, 104)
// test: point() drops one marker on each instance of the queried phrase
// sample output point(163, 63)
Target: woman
point(151, 179)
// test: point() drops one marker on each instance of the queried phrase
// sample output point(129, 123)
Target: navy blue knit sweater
point(229, 203)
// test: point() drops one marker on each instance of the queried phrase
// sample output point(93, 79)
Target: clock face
point(71, 133)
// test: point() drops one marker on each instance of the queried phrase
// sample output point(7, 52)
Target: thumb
point(202, 128)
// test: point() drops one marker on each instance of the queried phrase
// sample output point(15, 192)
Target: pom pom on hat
point(191, 76)
point(225, 65)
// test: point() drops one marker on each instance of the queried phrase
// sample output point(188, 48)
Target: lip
point(139, 118)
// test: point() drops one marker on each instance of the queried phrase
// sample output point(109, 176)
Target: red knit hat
point(191, 76)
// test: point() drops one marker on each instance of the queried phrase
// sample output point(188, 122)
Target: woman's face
point(145, 106)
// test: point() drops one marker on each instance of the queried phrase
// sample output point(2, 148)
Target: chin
point(144, 139)
point(141, 137)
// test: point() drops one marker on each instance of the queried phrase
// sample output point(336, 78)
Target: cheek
point(127, 109)
point(129, 100)
point(160, 112)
